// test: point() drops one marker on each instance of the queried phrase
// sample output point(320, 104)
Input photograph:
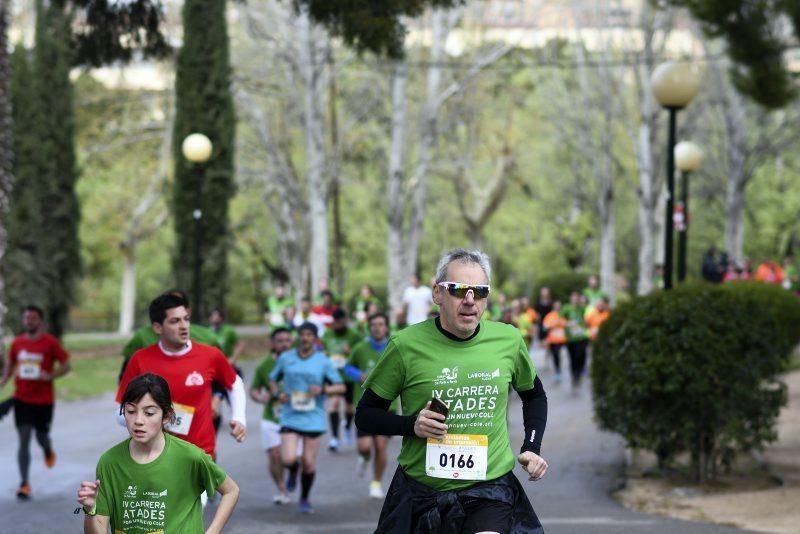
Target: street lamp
point(197, 149)
point(674, 86)
point(687, 158)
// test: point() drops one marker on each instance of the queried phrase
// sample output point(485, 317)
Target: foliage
point(55, 127)
point(691, 369)
point(561, 284)
point(21, 267)
point(204, 104)
point(369, 25)
point(44, 258)
point(112, 30)
point(782, 307)
point(756, 43)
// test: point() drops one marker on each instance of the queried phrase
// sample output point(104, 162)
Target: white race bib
point(29, 370)
point(457, 457)
point(181, 420)
point(338, 360)
point(302, 401)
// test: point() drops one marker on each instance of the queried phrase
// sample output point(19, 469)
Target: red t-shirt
point(34, 356)
point(189, 377)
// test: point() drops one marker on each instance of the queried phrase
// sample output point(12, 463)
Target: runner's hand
point(430, 424)
point(87, 493)
point(533, 464)
point(314, 390)
point(238, 430)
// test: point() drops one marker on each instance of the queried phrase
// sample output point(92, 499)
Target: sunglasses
point(459, 290)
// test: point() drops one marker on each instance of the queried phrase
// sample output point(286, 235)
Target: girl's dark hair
point(150, 383)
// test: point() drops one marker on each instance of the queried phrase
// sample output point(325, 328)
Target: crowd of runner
point(438, 373)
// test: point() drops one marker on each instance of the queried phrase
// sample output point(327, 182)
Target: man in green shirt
point(577, 337)
point(275, 306)
point(337, 341)
point(270, 426)
point(362, 361)
point(453, 375)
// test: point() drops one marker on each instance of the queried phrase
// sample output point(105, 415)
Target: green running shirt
point(472, 377)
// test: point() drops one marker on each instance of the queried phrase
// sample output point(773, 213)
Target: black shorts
point(349, 391)
point(288, 430)
point(39, 416)
point(486, 515)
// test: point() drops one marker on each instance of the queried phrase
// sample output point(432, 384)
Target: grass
point(89, 377)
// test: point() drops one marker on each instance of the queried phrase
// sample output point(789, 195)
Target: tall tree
point(204, 103)
point(21, 268)
point(52, 89)
point(758, 33)
point(6, 151)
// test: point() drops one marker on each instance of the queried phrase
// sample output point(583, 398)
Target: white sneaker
point(361, 466)
point(375, 490)
point(333, 445)
point(281, 498)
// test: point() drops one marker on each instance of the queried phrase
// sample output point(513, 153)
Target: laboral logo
point(485, 375)
point(195, 379)
point(448, 376)
point(155, 494)
point(130, 492)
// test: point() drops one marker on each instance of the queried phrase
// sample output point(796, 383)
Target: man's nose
point(469, 298)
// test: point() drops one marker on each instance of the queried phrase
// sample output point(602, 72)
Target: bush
point(561, 285)
point(693, 369)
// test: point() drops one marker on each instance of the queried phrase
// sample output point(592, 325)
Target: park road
point(585, 466)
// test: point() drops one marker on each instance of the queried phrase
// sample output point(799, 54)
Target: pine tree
point(204, 104)
point(24, 279)
point(55, 129)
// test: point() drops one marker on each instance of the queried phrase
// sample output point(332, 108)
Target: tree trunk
point(6, 156)
point(733, 108)
point(127, 297)
point(396, 253)
point(312, 65)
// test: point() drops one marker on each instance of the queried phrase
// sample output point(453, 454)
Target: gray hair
point(463, 256)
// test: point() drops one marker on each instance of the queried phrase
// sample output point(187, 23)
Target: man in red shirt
point(189, 368)
point(35, 359)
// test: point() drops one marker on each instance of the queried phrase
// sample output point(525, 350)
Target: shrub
point(693, 369)
point(561, 285)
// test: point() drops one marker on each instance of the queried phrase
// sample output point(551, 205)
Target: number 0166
point(454, 461)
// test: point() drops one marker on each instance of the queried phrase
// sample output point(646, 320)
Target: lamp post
point(687, 158)
point(197, 149)
point(674, 86)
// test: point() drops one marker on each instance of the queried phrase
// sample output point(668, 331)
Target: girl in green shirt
point(152, 481)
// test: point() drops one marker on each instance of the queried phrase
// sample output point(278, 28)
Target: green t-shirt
point(576, 324)
point(161, 496)
point(334, 344)
point(593, 295)
point(145, 336)
point(365, 358)
point(261, 381)
point(227, 338)
point(472, 377)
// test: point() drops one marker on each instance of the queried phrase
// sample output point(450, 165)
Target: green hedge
point(694, 370)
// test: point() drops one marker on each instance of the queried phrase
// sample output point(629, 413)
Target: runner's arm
point(534, 415)
point(373, 417)
point(238, 398)
point(230, 494)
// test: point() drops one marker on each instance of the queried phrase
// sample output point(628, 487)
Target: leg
point(44, 418)
point(289, 458)
point(364, 446)
point(555, 352)
point(24, 451)
point(349, 412)
point(310, 448)
point(375, 487)
point(334, 418)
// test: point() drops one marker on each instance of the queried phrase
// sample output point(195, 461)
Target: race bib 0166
point(457, 457)
point(181, 420)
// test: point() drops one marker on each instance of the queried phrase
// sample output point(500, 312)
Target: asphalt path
point(585, 467)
